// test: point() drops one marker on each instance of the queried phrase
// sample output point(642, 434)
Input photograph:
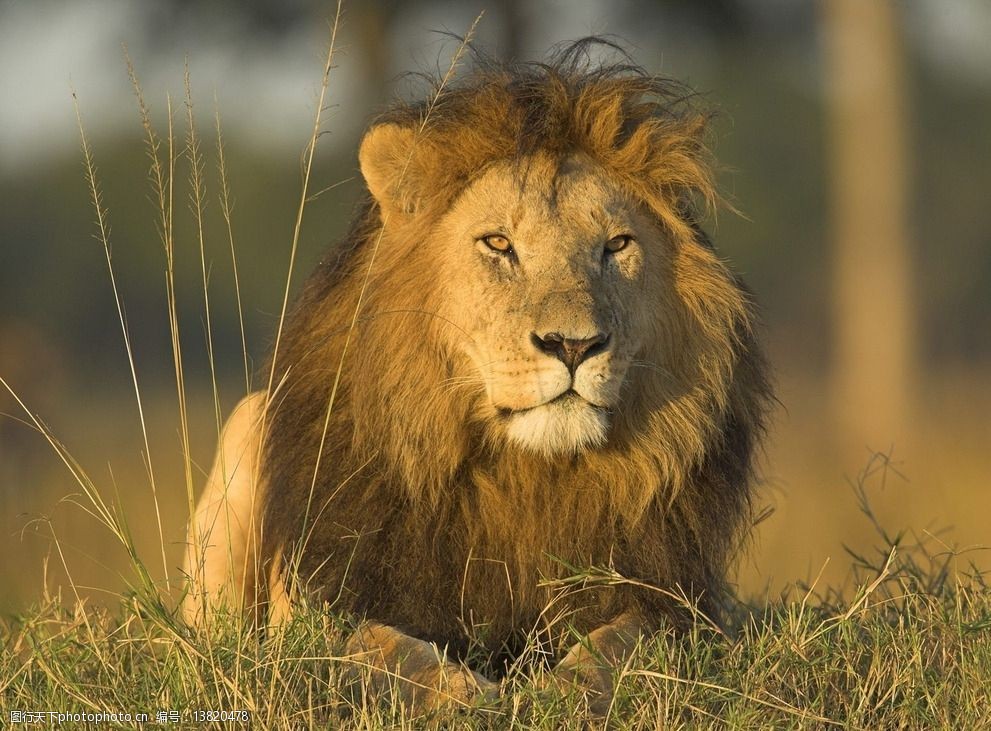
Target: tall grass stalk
point(197, 202)
point(226, 209)
point(103, 235)
point(162, 177)
point(306, 527)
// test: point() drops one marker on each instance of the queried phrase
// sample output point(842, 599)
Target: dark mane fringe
point(508, 110)
point(402, 509)
point(647, 128)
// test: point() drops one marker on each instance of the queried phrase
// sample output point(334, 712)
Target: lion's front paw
point(444, 687)
point(591, 666)
point(457, 685)
point(593, 682)
point(392, 666)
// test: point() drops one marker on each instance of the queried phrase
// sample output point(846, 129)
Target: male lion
point(525, 358)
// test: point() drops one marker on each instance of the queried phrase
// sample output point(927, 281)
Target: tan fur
point(425, 468)
point(589, 664)
point(417, 672)
point(221, 553)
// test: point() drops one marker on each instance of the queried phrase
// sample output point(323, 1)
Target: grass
point(912, 649)
point(908, 647)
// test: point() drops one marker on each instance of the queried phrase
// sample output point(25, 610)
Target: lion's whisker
point(651, 366)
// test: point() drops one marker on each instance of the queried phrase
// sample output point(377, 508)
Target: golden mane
point(396, 503)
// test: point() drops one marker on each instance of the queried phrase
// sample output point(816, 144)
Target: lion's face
point(549, 273)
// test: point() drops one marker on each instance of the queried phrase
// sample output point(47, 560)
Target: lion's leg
point(418, 671)
point(278, 600)
point(591, 665)
point(221, 558)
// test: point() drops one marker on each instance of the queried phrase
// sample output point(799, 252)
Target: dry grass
point(911, 650)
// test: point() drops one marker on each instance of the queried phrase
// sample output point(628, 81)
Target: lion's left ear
point(386, 166)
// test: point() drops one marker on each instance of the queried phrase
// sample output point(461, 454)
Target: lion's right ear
point(387, 166)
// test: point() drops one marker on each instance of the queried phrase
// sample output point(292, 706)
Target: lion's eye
point(497, 242)
point(618, 243)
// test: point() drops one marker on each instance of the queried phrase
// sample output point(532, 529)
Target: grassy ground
point(912, 649)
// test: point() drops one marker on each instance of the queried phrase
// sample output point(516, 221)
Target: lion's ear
point(386, 166)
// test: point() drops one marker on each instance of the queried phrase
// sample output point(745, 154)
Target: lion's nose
point(570, 351)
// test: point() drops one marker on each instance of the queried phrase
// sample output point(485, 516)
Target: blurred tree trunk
point(513, 26)
point(873, 351)
point(372, 22)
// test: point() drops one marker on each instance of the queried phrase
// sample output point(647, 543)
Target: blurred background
point(854, 139)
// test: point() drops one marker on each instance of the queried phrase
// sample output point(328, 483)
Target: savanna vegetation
point(909, 648)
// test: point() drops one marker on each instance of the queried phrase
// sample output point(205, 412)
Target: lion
point(525, 360)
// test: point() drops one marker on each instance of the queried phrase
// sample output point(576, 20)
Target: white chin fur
point(561, 427)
